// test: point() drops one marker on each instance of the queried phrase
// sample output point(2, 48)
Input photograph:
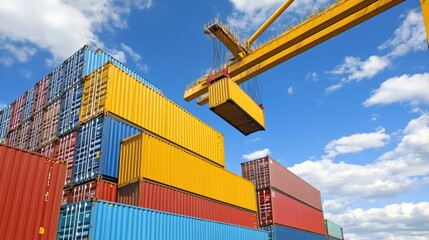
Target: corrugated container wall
point(334, 230)
point(66, 151)
point(24, 133)
point(266, 173)
point(106, 220)
point(97, 148)
point(232, 104)
point(109, 89)
point(277, 232)
point(160, 197)
point(4, 122)
point(146, 156)
point(70, 109)
point(30, 194)
point(41, 94)
point(16, 113)
point(50, 123)
point(36, 131)
point(277, 208)
point(98, 189)
point(28, 105)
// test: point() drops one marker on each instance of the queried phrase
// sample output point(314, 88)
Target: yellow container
point(146, 156)
point(111, 90)
point(232, 104)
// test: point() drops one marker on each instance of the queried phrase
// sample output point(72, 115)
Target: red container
point(159, 197)
point(12, 138)
point(277, 208)
point(41, 95)
point(30, 194)
point(50, 150)
point(98, 189)
point(36, 132)
point(50, 123)
point(65, 151)
point(16, 113)
point(66, 196)
point(267, 173)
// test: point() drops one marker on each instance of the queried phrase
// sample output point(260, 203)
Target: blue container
point(70, 109)
point(278, 232)
point(4, 122)
point(75, 68)
point(97, 149)
point(107, 220)
point(28, 105)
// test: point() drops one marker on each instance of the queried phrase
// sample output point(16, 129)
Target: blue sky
point(350, 115)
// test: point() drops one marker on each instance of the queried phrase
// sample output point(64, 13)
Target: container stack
point(288, 207)
point(333, 230)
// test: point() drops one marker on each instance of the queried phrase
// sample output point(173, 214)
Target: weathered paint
point(50, 123)
point(107, 220)
point(147, 156)
point(36, 131)
point(97, 148)
point(30, 194)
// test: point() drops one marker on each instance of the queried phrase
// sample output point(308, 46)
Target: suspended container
point(107, 220)
point(28, 105)
point(70, 109)
point(50, 123)
point(333, 230)
point(66, 151)
point(278, 232)
point(36, 132)
point(41, 94)
point(232, 104)
point(147, 156)
point(4, 122)
point(97, 149)
point(109, 89)
point(16, 113)
point(156, 196)
point(98, 189)
point(267, 173)
point(30, 194)
point(277, 208)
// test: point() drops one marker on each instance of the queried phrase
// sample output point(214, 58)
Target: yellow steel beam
point(229, 39)
point(339, 27)
point(425, 11)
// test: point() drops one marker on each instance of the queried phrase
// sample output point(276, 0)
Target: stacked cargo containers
point(4, 122)
point(284, 199)
point(333, 230)
point(30, 194)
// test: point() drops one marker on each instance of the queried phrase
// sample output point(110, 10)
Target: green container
point(333, 230)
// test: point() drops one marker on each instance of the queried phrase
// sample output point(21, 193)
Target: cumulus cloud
point(400, 170)
point(59, 27)
point(312, 76)
point(413, 89)
point(290, 90)
point(396, 221)
point(257, 154)
point(358, 70)
point(357, 142)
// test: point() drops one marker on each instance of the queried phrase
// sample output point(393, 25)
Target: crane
point(220, 88)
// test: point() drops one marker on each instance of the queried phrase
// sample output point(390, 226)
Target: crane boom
point(425, 11)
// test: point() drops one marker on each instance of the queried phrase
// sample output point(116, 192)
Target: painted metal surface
point(278, 232)
point(30, 194)
point(50, 123)
point(333, 230)
point(12, 138)
point(267, 173)
point(56, 84)
point(97, 148)
point(277, 208)
point(16, 113)
point(28, 105)
point(50, 150)
point(70, 109)
point(24, 132)
point(41, 94)
point(66, 151)
point(66, 196)
point(147, 156)
point(98, 189)
point(109, 89)
point(163, 198)
point(36, 132)
point(232, 104)
point(106, 220)
point(4, 122)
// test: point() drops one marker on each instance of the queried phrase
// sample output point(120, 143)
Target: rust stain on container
point(109, 89)
point(232, 104)
point(30, 194)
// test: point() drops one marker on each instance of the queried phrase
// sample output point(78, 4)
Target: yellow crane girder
point(425, 11)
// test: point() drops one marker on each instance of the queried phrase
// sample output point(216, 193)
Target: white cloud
point(59, 27)
point(396, 221)
point(357, 142)
point(136, 57)
point(257, 154)
point(290, 90)
point(312, 76)
point(398, 171)
point(413, 89)
point(257, 139)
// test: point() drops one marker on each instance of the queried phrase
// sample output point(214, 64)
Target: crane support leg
point(425, 11)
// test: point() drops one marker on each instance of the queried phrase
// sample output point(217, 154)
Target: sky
point(350, 116)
